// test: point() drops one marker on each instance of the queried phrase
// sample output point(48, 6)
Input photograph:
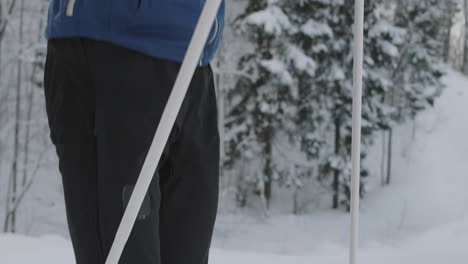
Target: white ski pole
point(166, 123)
point(358, 55)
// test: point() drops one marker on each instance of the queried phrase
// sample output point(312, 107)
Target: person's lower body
point(104, 103)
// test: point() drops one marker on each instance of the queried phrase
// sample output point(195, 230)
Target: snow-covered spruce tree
point(319, 115)
point(259, 101)
point(417, 77)
point(446, 12)
point(300, 85)
point(263, 122)
point(333, 82)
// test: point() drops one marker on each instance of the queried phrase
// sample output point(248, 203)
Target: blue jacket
point(159, 28)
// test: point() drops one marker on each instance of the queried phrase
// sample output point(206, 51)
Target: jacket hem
point(168, 50)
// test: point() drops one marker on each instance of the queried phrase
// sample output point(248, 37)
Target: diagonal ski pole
point(166, 123)
point(358, 54)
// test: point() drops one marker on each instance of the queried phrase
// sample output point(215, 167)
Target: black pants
point(104, 104)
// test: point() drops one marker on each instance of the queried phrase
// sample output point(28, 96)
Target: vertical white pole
point(358, 55)
point(166, 123)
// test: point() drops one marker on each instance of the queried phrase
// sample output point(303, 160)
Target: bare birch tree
point(27, 62)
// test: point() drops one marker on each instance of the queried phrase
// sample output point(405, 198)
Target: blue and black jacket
point(159, 28)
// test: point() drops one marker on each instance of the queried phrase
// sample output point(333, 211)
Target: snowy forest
point(283, 75)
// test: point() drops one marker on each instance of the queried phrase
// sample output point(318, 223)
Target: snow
point(432, 169)
point(421, 218)
point(273, 20)
point(315, 29)
point(383, 27)
point(444, 245)
point(301, 61)
point(278, 68)
point(336, 73)
point(396, 34)
point(389, 48)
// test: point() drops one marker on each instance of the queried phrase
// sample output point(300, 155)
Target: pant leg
point(189, 186)
point(70, 97)
point(132, 91)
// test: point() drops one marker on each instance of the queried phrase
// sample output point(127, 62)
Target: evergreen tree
point(328, 40)
point(417, 76)
point(298, 91)
point(260, 101)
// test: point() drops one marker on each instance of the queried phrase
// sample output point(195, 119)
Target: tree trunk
point(465, 61)
point(30, 103)
point(268, 172)
point(241, 191)
point(4, 20)
point(389, 157)
point(11, 216)
point(267, 137)
point(296, 206)
point(449, 24)
point(383, 160)
point(27, 136)
point(6, 223)
point(336, 173)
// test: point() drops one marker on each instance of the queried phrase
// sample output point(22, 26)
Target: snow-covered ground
point(421, 218)
point(443, 245)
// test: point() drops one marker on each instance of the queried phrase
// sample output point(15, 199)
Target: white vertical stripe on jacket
point(70, 6)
